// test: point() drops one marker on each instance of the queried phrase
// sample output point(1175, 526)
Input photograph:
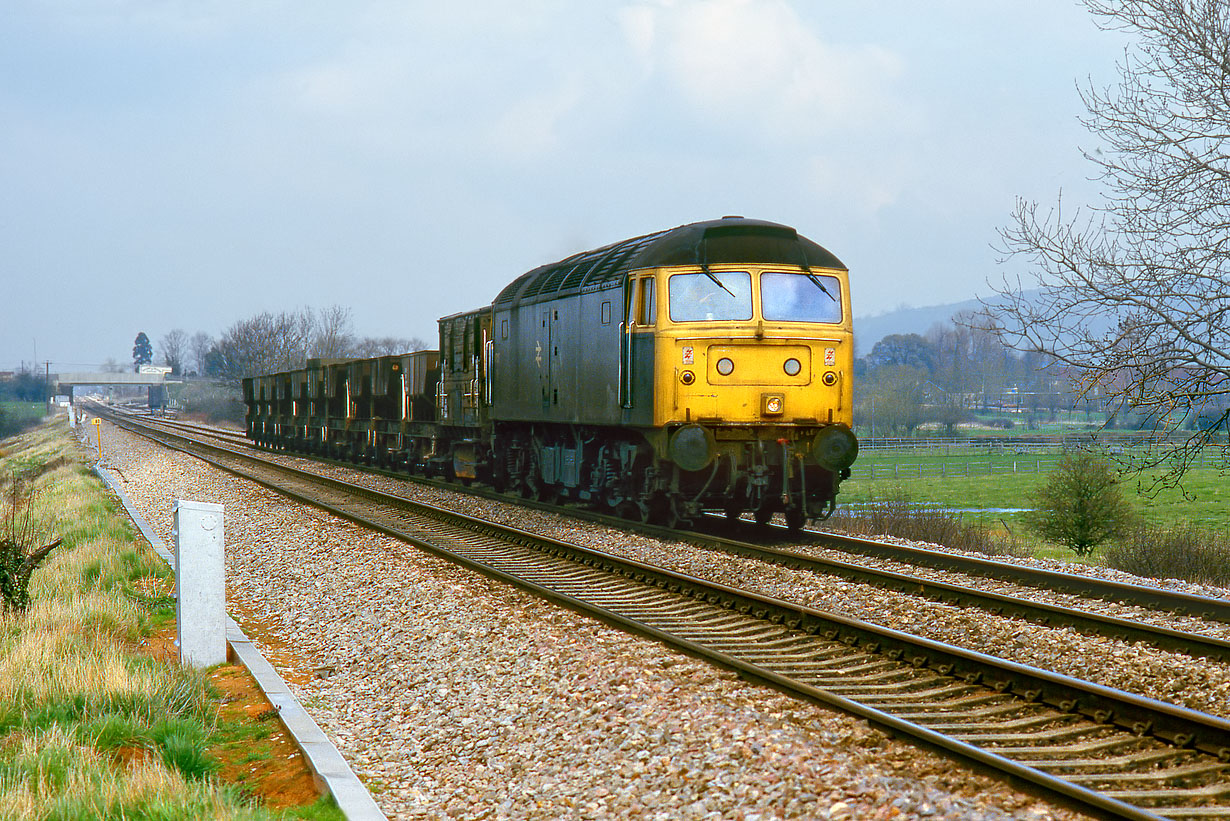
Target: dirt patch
point(253, 748)
point(271, 767)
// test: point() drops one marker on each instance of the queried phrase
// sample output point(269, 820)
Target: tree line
point(944, 376)
point(266, 342)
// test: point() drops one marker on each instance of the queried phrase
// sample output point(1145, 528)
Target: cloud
point(530, 127)
point(755, 64)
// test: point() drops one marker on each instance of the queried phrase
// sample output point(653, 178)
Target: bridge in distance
point(155, 383)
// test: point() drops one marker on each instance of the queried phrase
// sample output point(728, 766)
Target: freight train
point(701, 368)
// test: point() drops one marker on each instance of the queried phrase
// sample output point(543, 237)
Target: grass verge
point(93, 725)
point(1183, 552)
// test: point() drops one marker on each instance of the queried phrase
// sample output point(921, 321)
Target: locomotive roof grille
point(728, 240)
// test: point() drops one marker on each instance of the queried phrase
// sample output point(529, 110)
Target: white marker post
point(200, 584)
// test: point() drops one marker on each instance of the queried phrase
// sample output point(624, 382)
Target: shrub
point(21, 548)
point(892, 514)
point(1080, 504)
point(1185, 552)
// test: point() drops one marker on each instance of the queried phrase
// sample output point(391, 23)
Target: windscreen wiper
point(718, 282)
point(816, 281)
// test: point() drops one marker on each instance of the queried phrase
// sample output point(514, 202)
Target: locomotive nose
point(835, 447)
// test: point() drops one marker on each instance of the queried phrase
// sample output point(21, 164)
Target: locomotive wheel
point(527, 488)
point(660, 511)
point(643, 511)
point(795, 518)
point(609, 500)
point(763, 514)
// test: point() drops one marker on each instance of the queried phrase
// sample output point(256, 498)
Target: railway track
point(1116, 753)
point(1110, 626)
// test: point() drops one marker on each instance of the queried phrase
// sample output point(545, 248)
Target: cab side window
point(648, 313)
point(641, 302)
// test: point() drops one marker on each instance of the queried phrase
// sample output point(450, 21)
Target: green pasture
point(1005, 481)
point(17, 416)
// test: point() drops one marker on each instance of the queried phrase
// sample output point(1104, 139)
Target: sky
point(183, 164)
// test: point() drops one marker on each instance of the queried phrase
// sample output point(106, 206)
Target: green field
point(21, 412)
point(982, 481)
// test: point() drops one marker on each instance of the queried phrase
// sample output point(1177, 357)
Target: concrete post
point(200, 585)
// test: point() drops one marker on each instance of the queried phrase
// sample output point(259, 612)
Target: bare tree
point(333, 337)
point(890, 401)
point(199, 346)
point(266, 343)
point(1135, 294)
point(174, 345)
point(387, 345)
point(269, 343)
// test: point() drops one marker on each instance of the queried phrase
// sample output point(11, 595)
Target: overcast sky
point(183, 164)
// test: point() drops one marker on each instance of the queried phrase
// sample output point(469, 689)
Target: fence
point(966, 466)
point(945, 470)
point(1015, 444)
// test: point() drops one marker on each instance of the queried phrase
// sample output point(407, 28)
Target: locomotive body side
point(557, 361)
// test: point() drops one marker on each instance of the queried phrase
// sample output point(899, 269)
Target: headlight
point(687, 377)
point(792, 367)
point(772, 403)
point(725, 366)
point(829, 378)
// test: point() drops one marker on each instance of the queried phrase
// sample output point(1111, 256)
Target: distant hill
point(868, 330)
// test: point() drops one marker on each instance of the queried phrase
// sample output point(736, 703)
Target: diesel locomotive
point(702, 368)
